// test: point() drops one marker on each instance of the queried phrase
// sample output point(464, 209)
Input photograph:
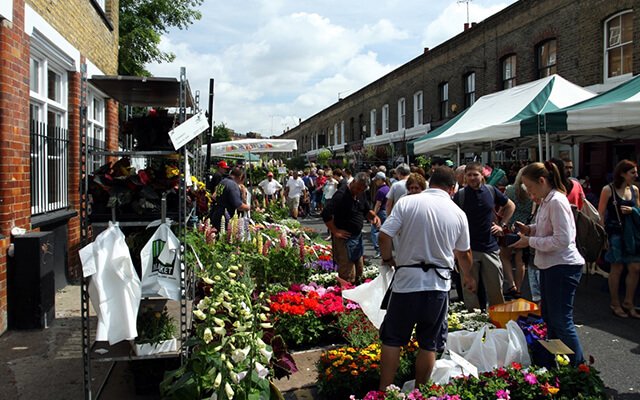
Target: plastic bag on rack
point(161, 265)
point(114, 286)
point(369, 295)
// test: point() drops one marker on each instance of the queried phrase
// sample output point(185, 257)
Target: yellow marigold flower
point(553, 390)
point(562, 359)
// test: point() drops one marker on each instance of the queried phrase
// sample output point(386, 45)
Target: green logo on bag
point(158, 266)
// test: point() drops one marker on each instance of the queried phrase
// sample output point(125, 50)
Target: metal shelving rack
point(158, 92)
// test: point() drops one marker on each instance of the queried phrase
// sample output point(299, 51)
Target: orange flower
point(354, 373)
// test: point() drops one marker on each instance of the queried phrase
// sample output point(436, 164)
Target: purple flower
point(530, 378)
point(503, 394)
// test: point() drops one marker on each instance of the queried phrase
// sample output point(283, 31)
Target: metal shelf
point(134, 153)
point(122, 351)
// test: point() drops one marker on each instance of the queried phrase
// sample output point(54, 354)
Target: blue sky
point(275, 61)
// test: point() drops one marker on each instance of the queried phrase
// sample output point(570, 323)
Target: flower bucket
point(147, 349)
point(500, 314)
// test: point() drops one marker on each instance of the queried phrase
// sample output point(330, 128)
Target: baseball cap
point(223, 164)
point(269, 173)
point(448, 163)
point(380, 175)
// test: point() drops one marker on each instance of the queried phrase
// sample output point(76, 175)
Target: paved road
point(47, 363)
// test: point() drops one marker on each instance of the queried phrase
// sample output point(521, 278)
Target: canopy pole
point(547, 146)
point(540, 147)
point(458, 155)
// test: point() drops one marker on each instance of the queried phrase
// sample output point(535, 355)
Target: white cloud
point(451, 21)
point(275, 61)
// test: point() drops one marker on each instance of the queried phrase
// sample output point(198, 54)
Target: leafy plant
point(154, 326)
point(357, 329)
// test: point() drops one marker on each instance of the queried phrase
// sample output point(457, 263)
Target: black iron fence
point(49, 167)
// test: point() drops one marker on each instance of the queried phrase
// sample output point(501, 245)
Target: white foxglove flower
point(208, 336)
point(220, 330)
point(207, 280)
point(218, 321)
point(266, 354)
point(240, 376)
point(261, 370)
point(239, 355)
point(217, 381)
point(228, 390)
point(266, 325)
point(200, 315)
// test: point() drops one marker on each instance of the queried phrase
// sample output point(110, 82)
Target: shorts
point(617, 254)
point(293, 203)
point(426, 311)
point(348, 270)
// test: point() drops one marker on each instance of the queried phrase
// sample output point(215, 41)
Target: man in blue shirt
point(479, 202)
point(229, 198)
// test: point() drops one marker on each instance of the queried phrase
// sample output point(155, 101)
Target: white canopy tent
point(496, 117)
point(252, 146)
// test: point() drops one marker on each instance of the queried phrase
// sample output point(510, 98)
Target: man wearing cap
point(270, 187)
point(229, 198)
point(222, 171)
point(344, 216)
point(399, 188)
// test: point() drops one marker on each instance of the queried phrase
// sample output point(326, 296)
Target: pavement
point(47, 364)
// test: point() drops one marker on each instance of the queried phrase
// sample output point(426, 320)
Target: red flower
point(584, 368)
point(516, 366)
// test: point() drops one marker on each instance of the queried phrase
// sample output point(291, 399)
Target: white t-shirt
point(428, 227)
point(397, 190)
point(296, 187)
point(270, 187)
point(330, 188)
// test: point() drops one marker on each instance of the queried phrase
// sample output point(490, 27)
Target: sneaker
point(377, 255)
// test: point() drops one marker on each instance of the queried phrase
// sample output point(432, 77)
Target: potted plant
point(156, 332)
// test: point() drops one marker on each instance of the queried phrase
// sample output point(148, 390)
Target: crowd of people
point(479, 227)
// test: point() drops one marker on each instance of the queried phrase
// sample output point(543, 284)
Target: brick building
point(44, 46)
point(589, 42)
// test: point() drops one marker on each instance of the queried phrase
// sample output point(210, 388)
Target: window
point(49, 136)
point(385, 118)
point(546, 58)
point(96, 129)
point(618, 44)
point(509, 71)
point(402, 110)
point(342, 132)
point(469, 89)
point(444, 100)
point(372, 117)
point(418, 107)
point(335, 134)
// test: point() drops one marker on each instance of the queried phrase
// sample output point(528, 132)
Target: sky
point(277, 61)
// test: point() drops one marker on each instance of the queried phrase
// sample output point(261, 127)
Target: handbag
point(614, 226)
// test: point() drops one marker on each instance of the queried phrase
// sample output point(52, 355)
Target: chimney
point(473, 24)
point(466, 26)
point(426, 50)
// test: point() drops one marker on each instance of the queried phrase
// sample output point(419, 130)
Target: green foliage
point(301, 330)
point(357, 329)
point(296, 163)
point(323, 156)
point(423, 162)
point(221, 133)
point(281, 265)
point(142, 23)
point(154, 326)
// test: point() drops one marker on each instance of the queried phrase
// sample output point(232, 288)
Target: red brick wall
point(73, 236)
point(15, 191)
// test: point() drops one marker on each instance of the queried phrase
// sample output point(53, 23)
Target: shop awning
point(140, 91)
point(498, 116)
point(252, 146)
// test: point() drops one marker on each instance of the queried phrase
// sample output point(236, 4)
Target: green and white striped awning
point(498, 116)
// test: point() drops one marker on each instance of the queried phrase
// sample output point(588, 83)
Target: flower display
point(460, 318)
point(514, 382)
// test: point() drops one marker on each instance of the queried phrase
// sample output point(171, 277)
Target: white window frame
point(96, 126)
point(443, 94)
point(418, 108)
point(402, 113)
point(385, 118)
point(509, 75)
point(373, 114)
point(470, 89)
point(619, 45)
point(550, 66)
point(42, 154)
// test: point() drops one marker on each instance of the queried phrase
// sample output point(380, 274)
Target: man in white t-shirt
point(399, 188)
point(270, 187)
point(431, 233)
point(295, 188)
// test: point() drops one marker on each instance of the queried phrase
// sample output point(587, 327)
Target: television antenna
point(467, 3)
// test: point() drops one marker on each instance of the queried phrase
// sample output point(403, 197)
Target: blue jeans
point(558, 286)
point(382, 214)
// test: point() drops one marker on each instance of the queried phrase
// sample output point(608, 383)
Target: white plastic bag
point(369, 295)
point(161, 265)
point(488, 349)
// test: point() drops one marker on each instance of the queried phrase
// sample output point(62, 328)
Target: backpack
point(591, 238)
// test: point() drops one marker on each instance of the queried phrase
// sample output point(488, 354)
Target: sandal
point(631, 311)
point(619, 312)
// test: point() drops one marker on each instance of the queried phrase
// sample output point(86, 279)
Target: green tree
point(221, 133)
point(142, 23)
